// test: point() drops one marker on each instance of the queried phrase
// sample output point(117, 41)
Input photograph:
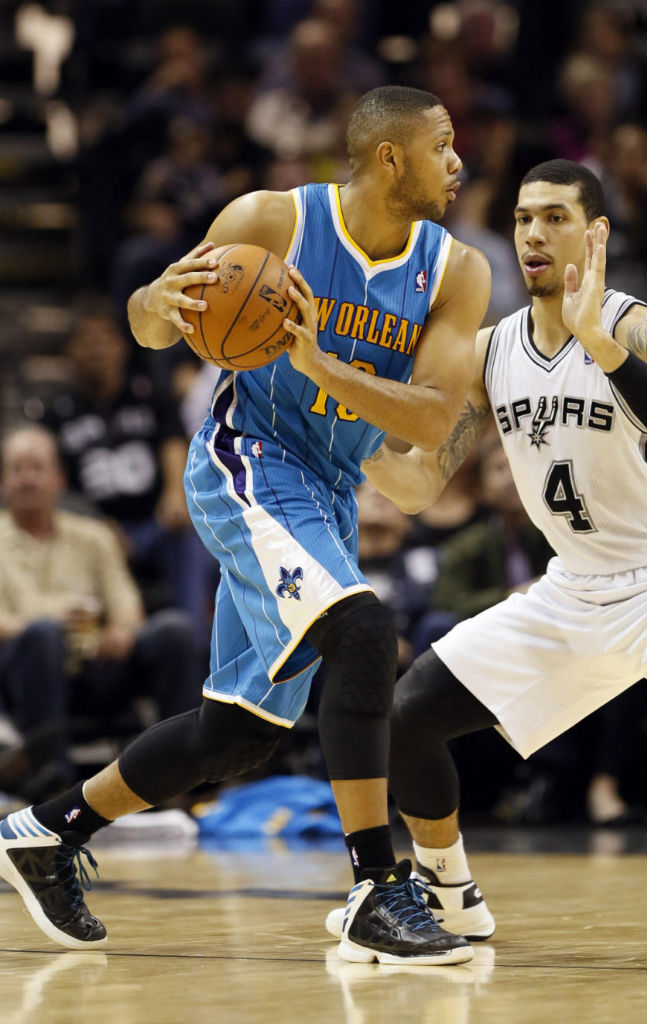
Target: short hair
point(388, 113)
point(568, 172)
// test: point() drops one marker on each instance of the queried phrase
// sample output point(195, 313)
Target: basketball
point(242, 328)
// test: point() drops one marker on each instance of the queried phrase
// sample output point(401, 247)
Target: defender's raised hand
point(582, 302)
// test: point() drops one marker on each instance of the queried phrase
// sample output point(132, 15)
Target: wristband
point(629, 380)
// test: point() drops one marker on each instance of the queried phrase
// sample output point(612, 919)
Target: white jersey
point(576, 450)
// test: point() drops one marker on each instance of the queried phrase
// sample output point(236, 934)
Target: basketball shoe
point(460, 908)
point(41, 867)
point(389, 921)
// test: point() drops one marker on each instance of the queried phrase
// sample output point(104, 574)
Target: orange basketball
point(242, 328)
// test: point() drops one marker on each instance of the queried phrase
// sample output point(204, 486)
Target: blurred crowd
point(162, 113)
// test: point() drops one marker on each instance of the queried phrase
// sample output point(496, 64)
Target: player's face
point(31, 476)
point(428, 181)
point(549, 234)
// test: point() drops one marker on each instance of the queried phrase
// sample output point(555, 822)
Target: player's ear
point(388, 155)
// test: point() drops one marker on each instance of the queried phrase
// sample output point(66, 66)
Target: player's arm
point(416, 479)
point(259, 218)
point(622, 356)
point(424, 411)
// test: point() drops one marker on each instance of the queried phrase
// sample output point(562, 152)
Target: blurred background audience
point(125, 126)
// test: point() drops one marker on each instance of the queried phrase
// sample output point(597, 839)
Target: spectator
point(624, 180)
point(307, 115)
point(483, 563)
point(400, 577)
point(185, 175)
point(73, 636)
point(124, 451)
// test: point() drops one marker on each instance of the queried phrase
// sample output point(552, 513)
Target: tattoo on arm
point(454, 450)
point(637, 339)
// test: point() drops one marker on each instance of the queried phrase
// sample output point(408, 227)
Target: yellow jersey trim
point(358, 248)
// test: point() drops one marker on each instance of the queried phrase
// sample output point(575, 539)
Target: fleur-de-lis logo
point(288, 587)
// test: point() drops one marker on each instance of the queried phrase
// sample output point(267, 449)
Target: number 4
point(563, 499)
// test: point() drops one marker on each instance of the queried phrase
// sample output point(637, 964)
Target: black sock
point(371, 850)
point(71, 816)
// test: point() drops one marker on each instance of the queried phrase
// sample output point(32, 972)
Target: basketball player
point(567, 383)
point(389, 311)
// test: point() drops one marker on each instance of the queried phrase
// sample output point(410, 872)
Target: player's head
point(32, 476)
point(404, 138)
point(558, 200)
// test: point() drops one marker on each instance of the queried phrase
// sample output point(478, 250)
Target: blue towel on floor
point(281, 805)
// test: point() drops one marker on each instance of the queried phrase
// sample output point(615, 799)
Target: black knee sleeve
point(209, 744)
point(358, 643)
point(431, 707)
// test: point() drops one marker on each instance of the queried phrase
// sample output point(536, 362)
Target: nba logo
point(588, 359)
point(257, 449)
point(421, 281)
point(441, 865)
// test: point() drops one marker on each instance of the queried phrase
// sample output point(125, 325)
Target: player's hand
point(582, 303)
point(304, 350)
point(165, 296)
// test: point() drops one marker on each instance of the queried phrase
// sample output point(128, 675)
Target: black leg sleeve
point(213, 742)
point(431, 707)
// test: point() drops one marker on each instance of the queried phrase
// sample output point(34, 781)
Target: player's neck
point(379, 236)
point(549, 333)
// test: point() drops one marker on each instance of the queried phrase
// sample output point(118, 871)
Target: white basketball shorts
point(543, 660)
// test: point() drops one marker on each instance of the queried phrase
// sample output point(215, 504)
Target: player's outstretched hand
point(582, 303)
point(304, 350)
point(165, 296)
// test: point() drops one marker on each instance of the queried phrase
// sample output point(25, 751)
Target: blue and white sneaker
point(41, 867)
point(389, 921)
point(460, 909)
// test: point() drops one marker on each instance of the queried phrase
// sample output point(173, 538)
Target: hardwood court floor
point(206, 937)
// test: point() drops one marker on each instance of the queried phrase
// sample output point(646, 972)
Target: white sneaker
point(460, 909)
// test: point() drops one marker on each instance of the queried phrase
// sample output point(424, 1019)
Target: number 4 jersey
point(576, 450)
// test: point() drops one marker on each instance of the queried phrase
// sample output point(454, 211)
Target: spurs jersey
point(577, 452)
point(370, 315)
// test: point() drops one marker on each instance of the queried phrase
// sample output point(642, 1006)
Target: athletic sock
point(70, 816)
point(448, 863)
point(371, 850)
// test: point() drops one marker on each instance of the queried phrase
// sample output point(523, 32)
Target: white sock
point(448, 863)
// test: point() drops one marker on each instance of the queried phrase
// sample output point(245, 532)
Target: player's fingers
point(588, 247)
point(305, 306)
point(181, 281)
point(570, 279)
point(183, 326)
point(200, 250)
point(297, 276)
point(297, 329)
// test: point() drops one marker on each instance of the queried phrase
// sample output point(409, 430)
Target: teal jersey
point(371, 314)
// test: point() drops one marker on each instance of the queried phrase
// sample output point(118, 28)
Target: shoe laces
point(72, 874)
point(407, 901)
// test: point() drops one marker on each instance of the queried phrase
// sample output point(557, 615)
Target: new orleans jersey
point(576, 450)
point(370, 315)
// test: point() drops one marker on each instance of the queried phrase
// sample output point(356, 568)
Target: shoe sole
point(335, 920)
point(38, 915)
point(352, 953)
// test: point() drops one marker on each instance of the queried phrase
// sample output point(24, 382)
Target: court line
point(311, 960)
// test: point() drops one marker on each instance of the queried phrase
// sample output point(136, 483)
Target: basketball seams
point(268, 282)
point(233, 360)
point(243, 304)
